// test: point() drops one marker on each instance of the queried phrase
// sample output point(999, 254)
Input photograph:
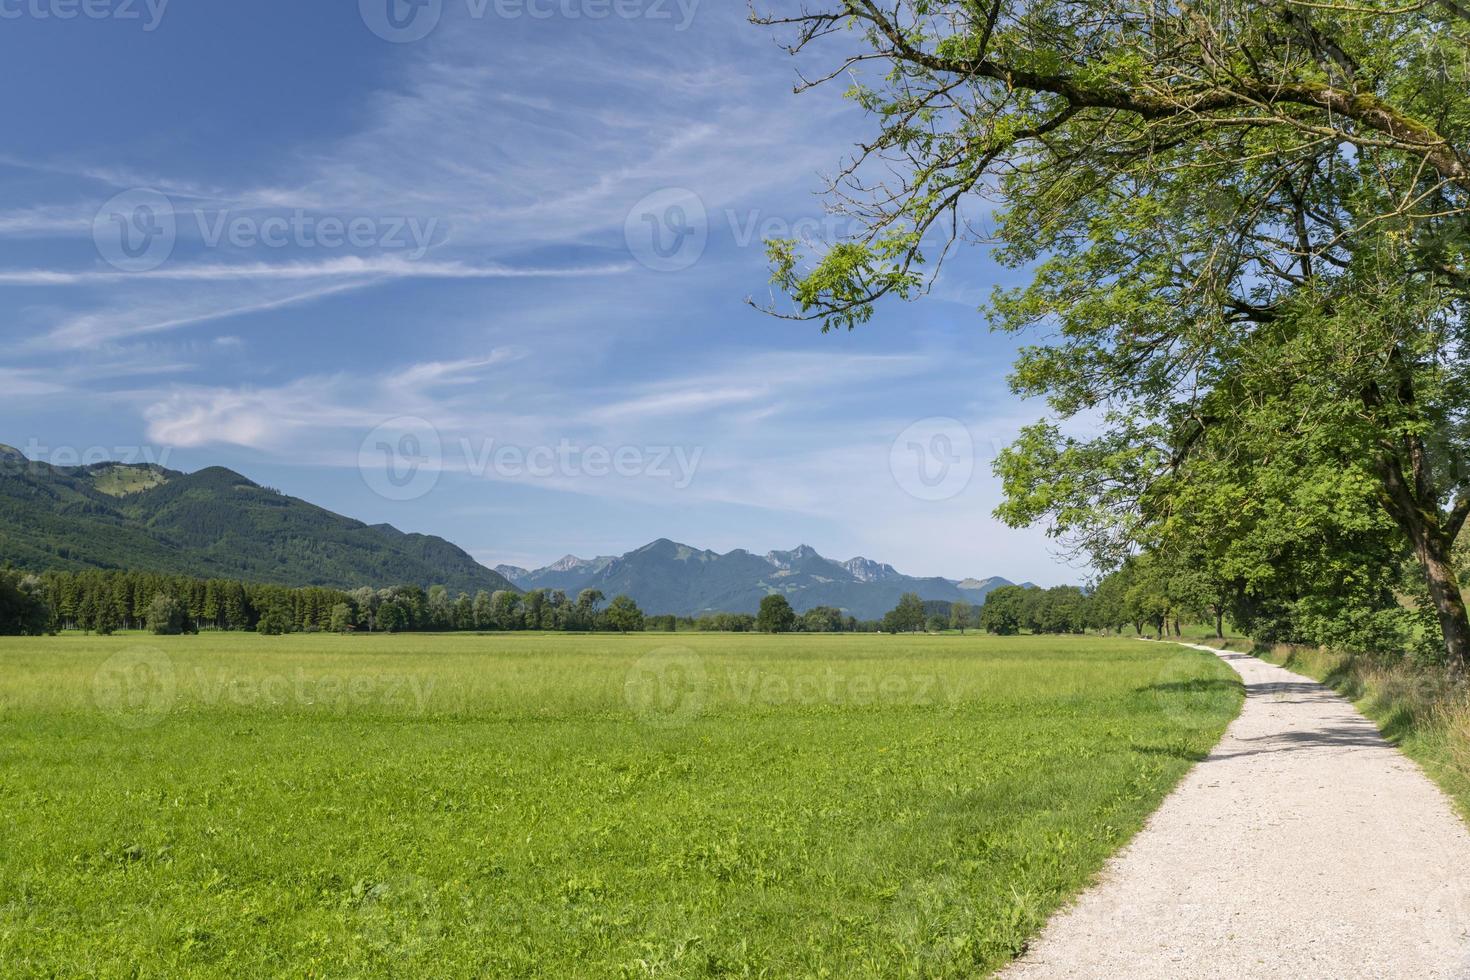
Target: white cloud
point(353, 267)
point(88, 329)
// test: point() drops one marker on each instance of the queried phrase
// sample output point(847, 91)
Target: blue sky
point(487, 283)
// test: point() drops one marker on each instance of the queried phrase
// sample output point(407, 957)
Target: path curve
point(1304, 846)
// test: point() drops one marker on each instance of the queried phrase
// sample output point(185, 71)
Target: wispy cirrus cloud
point(346, 267)
point(86, 330)
point(528, 321)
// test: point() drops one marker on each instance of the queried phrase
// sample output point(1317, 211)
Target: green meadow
point(651, 805)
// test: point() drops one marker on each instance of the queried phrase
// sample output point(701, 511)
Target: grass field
point(564, 805)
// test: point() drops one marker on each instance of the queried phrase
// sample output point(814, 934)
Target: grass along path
point(1305, 846)
point(572, 806)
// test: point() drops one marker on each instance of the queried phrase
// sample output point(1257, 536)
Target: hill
point(668, 577)
point(213, 523)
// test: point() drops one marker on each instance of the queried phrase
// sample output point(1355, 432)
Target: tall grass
point(1418, 708)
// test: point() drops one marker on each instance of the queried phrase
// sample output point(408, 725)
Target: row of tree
point(106, 601)
point(1146, 593)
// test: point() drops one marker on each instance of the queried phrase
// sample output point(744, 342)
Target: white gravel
point(1305, 846)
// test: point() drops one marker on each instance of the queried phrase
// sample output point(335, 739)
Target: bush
point(275, 621)
point(23, 608)
point(167, 616)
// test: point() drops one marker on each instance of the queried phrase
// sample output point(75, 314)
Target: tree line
point(106, 601)
point(103, 602)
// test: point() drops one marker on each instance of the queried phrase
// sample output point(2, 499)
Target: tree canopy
point(775, 615)
point(1245, 232)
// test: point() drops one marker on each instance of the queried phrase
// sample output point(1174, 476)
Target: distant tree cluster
point(1146, 594)
point(1064, 609)
point(907, 617)
point(819, 619)
point(1006, 611)
point(103, 602)
point(23, 608)
point(1353, 592)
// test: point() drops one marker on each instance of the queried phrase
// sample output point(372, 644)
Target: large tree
point(624, 615)
point(1245, 227)
point(775, 615)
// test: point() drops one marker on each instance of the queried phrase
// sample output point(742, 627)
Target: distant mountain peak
point(802, 552)
point(214, 523)
point(867, 570)
point(665, 576)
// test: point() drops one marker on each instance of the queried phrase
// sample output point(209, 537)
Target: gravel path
point(1305, 846)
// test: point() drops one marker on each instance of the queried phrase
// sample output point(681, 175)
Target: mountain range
point(668, 577)
point(218, 524)
point(211, 524)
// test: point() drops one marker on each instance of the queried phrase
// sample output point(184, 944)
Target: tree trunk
point(1412, 500)
point(1415, 507)
point(1219, 625)
point(1449, 604)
